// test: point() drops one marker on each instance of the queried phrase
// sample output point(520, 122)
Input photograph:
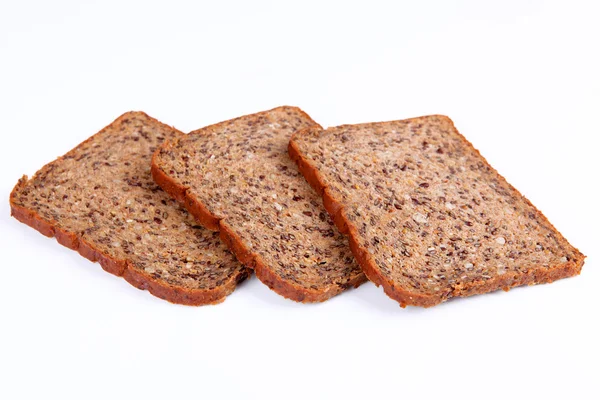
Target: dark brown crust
point(404, 297)
point(179, 193)
point(173, 294)
point(235, 244)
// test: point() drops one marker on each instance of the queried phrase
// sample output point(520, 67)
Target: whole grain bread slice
point(236, 177)
point(428, 217)
point(100, 200)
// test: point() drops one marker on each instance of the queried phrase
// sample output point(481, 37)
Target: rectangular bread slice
point(100, 200)
point(427, 216)
point(237, 177)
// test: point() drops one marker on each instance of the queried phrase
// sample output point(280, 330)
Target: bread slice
point(237, 177)
point(100, 200)
point(428, 218)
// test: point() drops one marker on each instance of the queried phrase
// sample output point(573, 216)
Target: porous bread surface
point(428, 217)
point(240, 173)
point(103, 194)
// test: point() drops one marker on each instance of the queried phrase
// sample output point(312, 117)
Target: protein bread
point(100, 200)
point(236, 177)
point(428, 218)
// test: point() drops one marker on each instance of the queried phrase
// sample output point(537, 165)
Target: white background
point(519, 78)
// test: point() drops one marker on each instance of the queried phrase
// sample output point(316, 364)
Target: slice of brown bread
point(237, 177)
point(428, 218)
point(100, 200)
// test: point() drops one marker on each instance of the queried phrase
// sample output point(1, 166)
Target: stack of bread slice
point(410, 205)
